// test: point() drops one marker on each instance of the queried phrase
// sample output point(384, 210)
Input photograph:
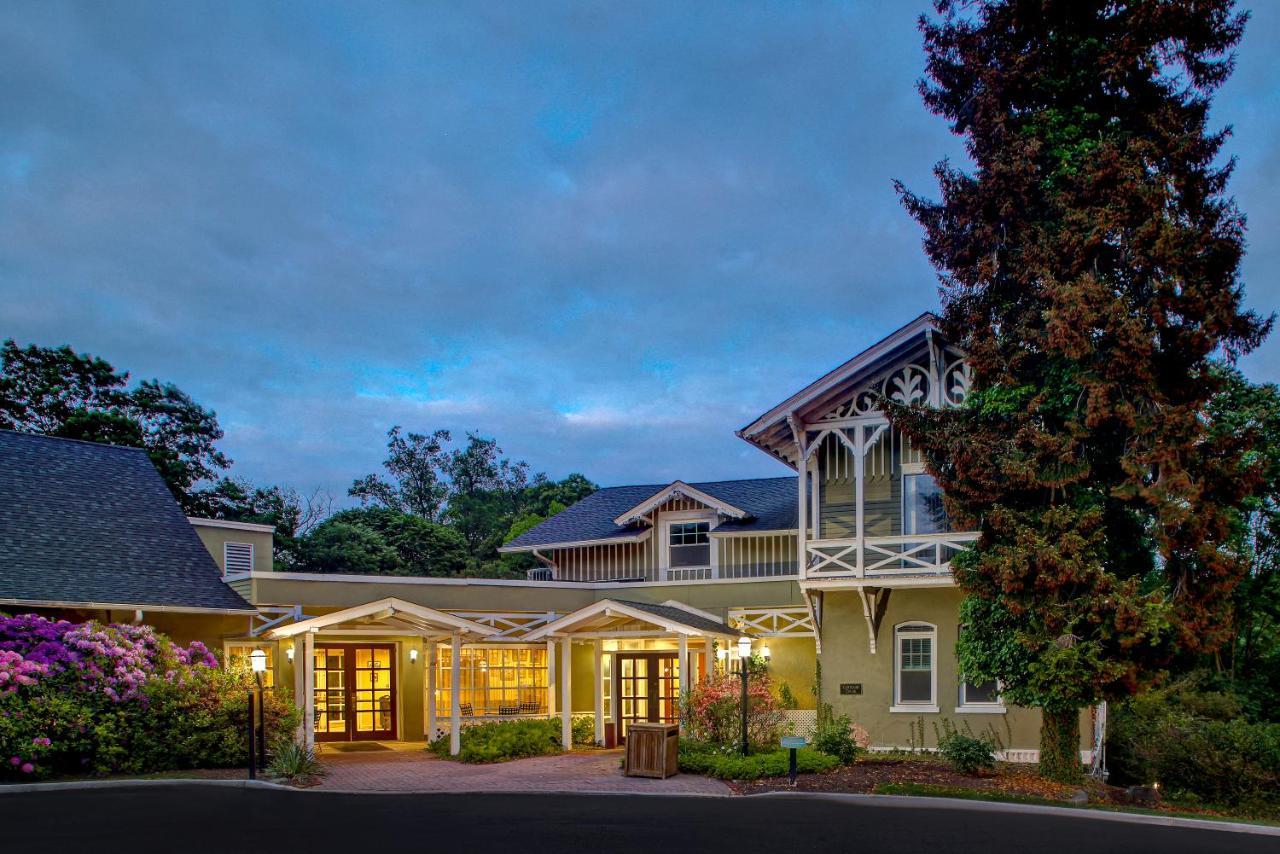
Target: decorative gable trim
point(678, 489)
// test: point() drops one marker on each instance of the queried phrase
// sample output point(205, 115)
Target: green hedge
point(1196, 746)
point(697, 759)
point(499, 741)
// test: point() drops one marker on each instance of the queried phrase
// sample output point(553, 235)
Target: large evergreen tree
point(1090, 268)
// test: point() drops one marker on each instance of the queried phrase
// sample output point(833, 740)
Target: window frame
point(680, 517)
point(963, 706)
point(910, 470)
point(915, 628)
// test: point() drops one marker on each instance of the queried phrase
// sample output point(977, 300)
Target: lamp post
point(258, 661)
point(744, 658)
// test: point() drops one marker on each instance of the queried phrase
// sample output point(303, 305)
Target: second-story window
point(690, 544)
point(922, 510)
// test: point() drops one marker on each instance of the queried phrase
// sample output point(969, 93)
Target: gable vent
point(237, 557)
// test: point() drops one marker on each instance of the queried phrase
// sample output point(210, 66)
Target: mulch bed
point(863, 777)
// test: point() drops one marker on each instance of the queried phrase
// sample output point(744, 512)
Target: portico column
point(566, 693)
point(598, 655)
point(299, 681)
point(308, 689)
point(707, 659)
point(431, 688)
point(455, 696)
point(551, 679)
point(686, 683)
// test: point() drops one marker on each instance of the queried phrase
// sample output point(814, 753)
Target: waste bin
point(653, 750)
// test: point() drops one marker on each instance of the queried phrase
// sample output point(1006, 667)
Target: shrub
point(584, 729)
point(294, 762)
point(833, 736)
point(698, 758)
point(967, 753)
point(499, 741)
point(1175, 737)
point(712, 712)
point(101, 699)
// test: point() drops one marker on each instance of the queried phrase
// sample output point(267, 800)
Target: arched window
point(915, 667)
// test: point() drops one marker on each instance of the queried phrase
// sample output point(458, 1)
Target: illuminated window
point(495, 681)
point(237, 658)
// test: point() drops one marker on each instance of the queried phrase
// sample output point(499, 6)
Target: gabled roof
point(417, 619)
point(769, 504)
point(838, 381)
point(668, 618)
point(678, 489)
point(90, 525)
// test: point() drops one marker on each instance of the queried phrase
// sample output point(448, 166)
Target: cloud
point(608, 235)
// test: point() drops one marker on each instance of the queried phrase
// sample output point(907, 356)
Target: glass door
point(646, 689)
point(355, 692)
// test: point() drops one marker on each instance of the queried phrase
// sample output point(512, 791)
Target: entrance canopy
point(390, 613)
point(619, 618)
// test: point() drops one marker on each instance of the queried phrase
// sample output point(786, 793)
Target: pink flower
point(15, 761)
point(27, 768)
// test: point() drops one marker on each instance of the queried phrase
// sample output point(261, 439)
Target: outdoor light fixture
point(258, 661)
point(289, 652)
point(722, 653)
point(744, 647)
point(413, 655)
point(744, 659)
point(764, 652)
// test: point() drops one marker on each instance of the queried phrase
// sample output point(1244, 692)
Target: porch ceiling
point(390, 613)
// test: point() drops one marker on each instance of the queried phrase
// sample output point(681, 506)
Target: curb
point(19, 788)
point(960, 804)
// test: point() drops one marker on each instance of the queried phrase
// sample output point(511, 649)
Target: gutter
point(126, 606)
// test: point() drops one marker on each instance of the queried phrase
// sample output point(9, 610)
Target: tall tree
point(59, 392)
point(1090, 268)
point(416, 465)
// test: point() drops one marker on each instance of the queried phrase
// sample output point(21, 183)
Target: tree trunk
point(1060, 745)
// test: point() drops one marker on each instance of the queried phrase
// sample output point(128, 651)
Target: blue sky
point(607, 234)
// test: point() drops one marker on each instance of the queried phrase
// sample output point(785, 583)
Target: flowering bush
point(713, 713)
point(93, 698)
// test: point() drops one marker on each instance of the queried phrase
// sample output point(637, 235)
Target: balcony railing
point(872, 557)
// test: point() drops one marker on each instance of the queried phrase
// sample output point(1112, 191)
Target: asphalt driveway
point(208, 818)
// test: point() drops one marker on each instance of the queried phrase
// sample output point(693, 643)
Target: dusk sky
point(607, 234)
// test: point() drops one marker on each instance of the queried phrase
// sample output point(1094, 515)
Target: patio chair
point(466, 710)
point(529, 708)
point(508, 711)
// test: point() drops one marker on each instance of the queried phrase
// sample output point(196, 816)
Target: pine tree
point(1089, 263)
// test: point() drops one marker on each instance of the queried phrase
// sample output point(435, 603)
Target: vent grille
point(237, 557)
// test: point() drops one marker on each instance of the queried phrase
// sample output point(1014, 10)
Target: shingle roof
point(87, 523)
point(680, 615)
point(771, 501)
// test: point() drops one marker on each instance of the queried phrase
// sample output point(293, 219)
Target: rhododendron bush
point(713, 713)
point(89, 698)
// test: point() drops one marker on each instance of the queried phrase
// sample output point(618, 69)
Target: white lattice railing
point(908, 554)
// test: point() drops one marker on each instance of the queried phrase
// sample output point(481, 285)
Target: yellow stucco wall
point(215, 537)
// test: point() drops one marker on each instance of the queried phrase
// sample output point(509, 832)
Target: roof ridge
point(665, 484)
point(110, 445)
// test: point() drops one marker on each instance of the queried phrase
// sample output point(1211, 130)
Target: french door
point(355, 692)
point(646, 689)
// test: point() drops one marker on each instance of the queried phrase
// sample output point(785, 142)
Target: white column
point(308, 689)
point(551, 679)
point(707, 660)
point(598, 654)
point(566, 693)
point(802, 501)
point(299, 679)
point(859, 465)
point(685, 682)
point(432, 695)
point(455, 696)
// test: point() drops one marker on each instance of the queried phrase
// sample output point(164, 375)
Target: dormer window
point(690, 544)
point(687, 551)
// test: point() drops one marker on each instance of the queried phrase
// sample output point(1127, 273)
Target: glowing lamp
point(258, 661)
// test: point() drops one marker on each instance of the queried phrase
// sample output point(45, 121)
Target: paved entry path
point(416, 770)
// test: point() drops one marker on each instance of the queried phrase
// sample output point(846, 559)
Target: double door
point(646, 689)
point(355, 692)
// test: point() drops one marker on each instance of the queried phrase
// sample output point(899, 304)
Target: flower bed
point(89, 698)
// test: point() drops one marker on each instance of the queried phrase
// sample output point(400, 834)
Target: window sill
point(914, 710)
point(981, 710)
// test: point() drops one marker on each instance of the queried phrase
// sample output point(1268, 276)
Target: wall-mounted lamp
point(289, 652)
point(413, 655)
point(764, 652)
point(722, 653)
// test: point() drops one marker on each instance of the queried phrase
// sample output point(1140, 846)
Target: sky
point(607, 234)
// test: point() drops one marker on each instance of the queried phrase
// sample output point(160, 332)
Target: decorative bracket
point(263, 621)
point(875, 600)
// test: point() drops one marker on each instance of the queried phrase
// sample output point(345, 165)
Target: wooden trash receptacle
point(653, 750)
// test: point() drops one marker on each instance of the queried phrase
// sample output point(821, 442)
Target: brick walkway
point(418, 771)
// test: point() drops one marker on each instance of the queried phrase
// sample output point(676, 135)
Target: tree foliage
point(56, 391)
point(1090, 269)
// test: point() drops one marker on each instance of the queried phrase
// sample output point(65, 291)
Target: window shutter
point(237, 557)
